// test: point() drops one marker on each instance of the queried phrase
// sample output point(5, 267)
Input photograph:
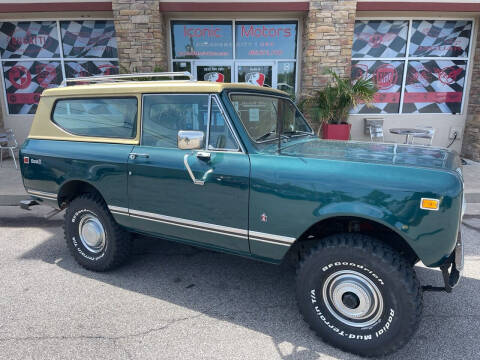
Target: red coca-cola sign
point(386, 76)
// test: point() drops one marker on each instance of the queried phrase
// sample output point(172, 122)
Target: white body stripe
point(202, 226)
point(42, 194)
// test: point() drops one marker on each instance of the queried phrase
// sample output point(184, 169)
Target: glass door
point(256, 73)
point(213, 71)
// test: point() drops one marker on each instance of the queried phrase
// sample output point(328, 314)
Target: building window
point(418, 66)
point(258, 52)
point(36, 55)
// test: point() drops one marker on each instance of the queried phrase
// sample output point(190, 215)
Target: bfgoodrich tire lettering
point(93, 237)
point(359, 295)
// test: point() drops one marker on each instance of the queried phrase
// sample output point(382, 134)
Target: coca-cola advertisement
point(26, 80)
point(387, 76)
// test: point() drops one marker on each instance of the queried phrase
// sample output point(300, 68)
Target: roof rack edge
point(122, 77)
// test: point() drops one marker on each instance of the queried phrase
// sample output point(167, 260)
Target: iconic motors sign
point(266, 40)
point(253, 40)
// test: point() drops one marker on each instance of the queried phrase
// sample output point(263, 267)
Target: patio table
point(408, 132)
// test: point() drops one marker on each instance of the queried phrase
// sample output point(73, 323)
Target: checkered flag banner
point(442, 38)
point(89, 38)
point(434, 86)
point(25, 81)
point(379, 38)
point(90, 68)
point(32, 39)
point(387, 77)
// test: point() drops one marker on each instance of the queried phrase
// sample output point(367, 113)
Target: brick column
point(141, 35)
point(327, 41)
point(471, 136)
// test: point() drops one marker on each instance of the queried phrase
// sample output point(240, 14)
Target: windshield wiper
point(296, 132)
point(266, 135)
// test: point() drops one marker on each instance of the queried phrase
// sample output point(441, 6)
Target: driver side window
point(165, 115)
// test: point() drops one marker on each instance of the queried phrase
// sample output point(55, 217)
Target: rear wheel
point(359, 295)
point(95, 240)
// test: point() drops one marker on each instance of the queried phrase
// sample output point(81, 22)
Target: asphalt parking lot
point(176, 302)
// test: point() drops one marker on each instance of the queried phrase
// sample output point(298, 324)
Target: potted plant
point(331, 105)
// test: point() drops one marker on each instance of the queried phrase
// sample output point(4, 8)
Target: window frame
point(298, 51)
point(211, 97)
point(135, 125)
point(249, 93)
point(62, 58)
point(406, 58)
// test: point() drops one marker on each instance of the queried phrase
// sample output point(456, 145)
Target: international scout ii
point(236, 168)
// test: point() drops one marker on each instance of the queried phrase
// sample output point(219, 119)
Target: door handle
point(190, 172)
point(133, 156)
point(204, 155)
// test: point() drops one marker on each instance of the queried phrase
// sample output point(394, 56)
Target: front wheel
point(359, 295)
point(95, 240)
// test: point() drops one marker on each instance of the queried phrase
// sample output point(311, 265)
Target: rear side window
point(98, 117)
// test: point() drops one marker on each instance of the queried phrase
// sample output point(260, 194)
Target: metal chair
point(376, 132)
point(8, 142)
point(428, 136)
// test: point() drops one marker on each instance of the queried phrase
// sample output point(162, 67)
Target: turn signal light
point(429, 204)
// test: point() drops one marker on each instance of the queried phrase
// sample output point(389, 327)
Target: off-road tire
point(118, 242)
point(390, 273)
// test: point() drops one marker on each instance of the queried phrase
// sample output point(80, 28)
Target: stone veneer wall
point(327, 41)
point(471, 136)
point(141, 35)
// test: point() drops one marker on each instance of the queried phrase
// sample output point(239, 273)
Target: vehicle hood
point(370, 152)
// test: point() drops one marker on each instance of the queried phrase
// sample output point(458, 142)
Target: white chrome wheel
point(352, 298)
point(92, 233)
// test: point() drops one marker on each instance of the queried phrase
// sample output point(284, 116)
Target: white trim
point(405, 67)
point(191, 224)
point(42, 194)
point(202, 226)
point(255, 235)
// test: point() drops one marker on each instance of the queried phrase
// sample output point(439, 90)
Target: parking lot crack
point(114, 338)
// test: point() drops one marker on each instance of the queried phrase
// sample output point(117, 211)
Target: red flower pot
point(336, 131)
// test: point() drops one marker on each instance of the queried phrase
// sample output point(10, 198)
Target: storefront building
point(423, 57)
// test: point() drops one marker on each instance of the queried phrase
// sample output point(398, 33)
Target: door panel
point(163, 199)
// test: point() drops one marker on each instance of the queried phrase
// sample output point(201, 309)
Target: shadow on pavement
point(261, 297)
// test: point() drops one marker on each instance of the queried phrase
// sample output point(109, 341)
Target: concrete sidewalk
point(11, 186)
point(12, 191)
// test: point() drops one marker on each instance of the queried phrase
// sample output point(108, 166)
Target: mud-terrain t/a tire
point(359, 295)
point(93, 237)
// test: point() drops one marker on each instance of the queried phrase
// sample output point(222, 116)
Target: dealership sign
point(214, 40)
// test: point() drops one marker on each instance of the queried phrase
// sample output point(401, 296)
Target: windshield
point(263, 116)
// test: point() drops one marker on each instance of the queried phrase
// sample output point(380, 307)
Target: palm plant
point(333, 103)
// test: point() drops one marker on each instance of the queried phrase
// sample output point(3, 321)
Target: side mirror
point(190, 139)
